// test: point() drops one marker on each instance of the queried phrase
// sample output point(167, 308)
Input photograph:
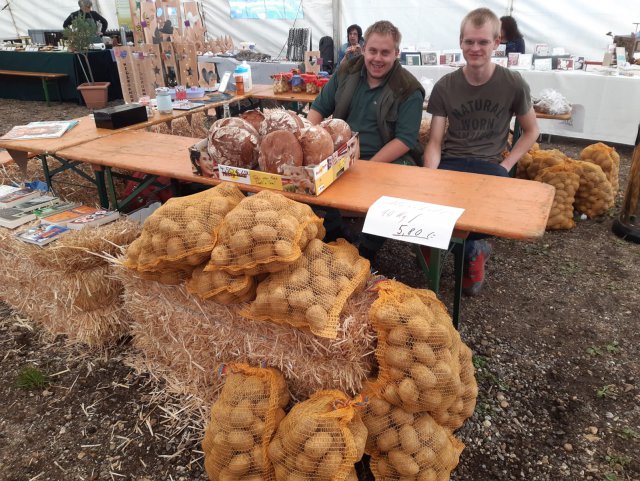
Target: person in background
point(382, 101)
point(85, 9)
point(478, 100)
point(510, 35)
point(353, 47)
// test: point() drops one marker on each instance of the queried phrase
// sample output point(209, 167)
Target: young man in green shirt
point(382, 102)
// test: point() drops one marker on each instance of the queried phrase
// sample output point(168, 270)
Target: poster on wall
point(259, 9)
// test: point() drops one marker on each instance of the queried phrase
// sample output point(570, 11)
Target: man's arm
point(68, 21)
point(104, 23)
point(391, 151)
point(529, 125)
point(314, 117)
point(434, 147)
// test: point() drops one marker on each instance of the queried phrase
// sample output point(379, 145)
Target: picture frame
point(429, 58)
point(512, 59)
point(413, 59)
point(565, 64)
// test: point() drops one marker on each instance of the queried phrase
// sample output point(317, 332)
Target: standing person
point(510, 35)
point(353, 47)
point(478, 100)
point(85, 10)
point(379, 99)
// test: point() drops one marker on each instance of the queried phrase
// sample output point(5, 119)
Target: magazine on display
point(37, 203)
point(40, 130)
point(12, 217)
point(98, 218)
point(21, 195)
point(67, 216)
point(55, 209)
point(42, 234)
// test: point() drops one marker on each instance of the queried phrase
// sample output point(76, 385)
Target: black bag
point(326, 53)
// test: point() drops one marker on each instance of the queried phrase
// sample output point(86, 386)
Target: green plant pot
point(95, 95)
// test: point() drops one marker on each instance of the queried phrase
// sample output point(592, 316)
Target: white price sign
point(411, 221)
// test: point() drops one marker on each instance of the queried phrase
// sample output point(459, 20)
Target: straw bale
point(55, 301)
point(176, 331)
point(77, 251)
point(198, 128)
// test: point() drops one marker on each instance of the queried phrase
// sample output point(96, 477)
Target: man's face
point(353, 37)
point(379, 54)
point(478, 44)
point(86, 9)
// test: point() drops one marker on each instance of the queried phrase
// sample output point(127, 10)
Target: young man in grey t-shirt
point(478, 100)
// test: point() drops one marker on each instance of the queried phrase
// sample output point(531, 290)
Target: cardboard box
point(312, 180)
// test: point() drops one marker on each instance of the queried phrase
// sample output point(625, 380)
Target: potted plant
point(80, 35)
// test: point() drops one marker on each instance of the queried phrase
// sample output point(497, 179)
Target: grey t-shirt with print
point(479, 116)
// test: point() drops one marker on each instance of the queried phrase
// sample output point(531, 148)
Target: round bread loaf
point(339, 130)
point(234, 141)
point(254, 117)
point(316, 144)
point(277, 149)
point(279, 119)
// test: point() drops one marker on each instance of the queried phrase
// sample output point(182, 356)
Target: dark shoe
point(473, 276)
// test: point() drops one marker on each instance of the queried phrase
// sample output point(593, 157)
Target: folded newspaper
point(40, 130)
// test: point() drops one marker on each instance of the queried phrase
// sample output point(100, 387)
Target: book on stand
point(63, 218)
point(98, 218)
point(40, 130)
point(37, 203)
point(42, 234)
point(21, 195)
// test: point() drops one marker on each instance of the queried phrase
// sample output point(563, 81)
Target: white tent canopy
point(579, 27)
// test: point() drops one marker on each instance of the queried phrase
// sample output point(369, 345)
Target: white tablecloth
point(605, 108)
point(261, 72)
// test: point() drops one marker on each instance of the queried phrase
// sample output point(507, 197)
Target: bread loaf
point(254, 117)
point(234, 141)
point(277, 149)
point(279, 119)
point(339, 130)
point(316, 144)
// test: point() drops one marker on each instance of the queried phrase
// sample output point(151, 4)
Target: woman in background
point(86, 12)
point(353, 47)
point(511, 35)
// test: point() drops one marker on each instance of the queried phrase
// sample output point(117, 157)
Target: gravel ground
point(555, 341)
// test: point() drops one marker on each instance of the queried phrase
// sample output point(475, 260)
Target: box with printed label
point(310, 180)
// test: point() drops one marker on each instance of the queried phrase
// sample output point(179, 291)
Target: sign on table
point(411, 221)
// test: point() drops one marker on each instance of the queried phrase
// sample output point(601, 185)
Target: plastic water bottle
point(226, 113)
point(244, 69)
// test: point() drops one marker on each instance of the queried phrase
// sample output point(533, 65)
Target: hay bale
point(83, 249)
point(189, 338)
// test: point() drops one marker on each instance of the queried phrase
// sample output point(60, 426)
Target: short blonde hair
point(384, 27)
point(478, 18)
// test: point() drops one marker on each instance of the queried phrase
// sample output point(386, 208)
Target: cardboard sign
point(411, 221)
point(312, 61)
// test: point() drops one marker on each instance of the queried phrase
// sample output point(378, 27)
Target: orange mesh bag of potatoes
point(221, 287)
point(408, 446)
point(311, 292)
point(315, 441)
point(243, 420)
point(181, 233)
point(566, 181)
point(595, 194)
point(169, 277)
point(608, 160)
point(265, 233)
point(417, 352)
point(541, 159)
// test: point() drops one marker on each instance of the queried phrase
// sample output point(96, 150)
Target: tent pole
point(336, 8)
point(13, 20)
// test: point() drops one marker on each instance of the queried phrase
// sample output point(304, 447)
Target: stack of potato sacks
point(587, 186)
point(424, 391)
point(274, 139)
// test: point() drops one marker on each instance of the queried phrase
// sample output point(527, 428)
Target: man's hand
point(433, 150)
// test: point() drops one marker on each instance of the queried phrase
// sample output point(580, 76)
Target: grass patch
point(608, 391)
point(480, 363)
point(30, 378)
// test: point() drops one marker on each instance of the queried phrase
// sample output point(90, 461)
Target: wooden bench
point(44, 78)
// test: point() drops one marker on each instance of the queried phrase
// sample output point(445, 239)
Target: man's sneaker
point(473, 277)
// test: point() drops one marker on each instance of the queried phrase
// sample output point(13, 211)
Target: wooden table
point(265, 92)
point(503, 207)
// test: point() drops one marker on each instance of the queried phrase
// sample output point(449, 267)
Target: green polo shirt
point(362, 115)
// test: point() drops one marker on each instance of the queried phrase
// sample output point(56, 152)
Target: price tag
point(411, 221)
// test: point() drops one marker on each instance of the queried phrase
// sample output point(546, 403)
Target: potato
point(425, 426)
point(175, 247)
point(375, 425)
point(301, 299)
point(317, 317)
point(264, 233)
point(280, 415)
point(288, 227)
point(423, 353)
point(378, 406)
point(314, 248)
point(408, 392)
point(388, 440)
point(423, 377)
point(305, 463)
point(428, 475)
point(319, 268)
point(239, 464)
point(299, 277)
point(240, 241)
point(260, 252)
point(240, 440)
point(419, 328)
point(220, 255)
point(275, 451)
point(399, 416)
point(329, 465)
point(324, 285)
point(241, 416)
point(267, 217)
point(426, 457)
point(390, 394)
point(403, 463)
point(283, 248)
point(398, 357)
point(317, 445)
point(360, 433)
point(409, 439)
point(168, 227)
point(398, 336)
point(301, 431)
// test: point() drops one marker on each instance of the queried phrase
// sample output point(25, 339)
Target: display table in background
point(261, 72)
point(605, 108)
point(102, 65)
